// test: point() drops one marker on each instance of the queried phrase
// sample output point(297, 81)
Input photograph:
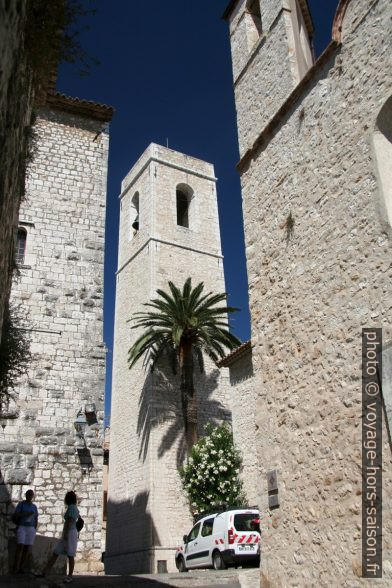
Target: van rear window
point(247, 522)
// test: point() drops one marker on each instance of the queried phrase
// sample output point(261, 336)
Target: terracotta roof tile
point(236, 354)
point(80, 106)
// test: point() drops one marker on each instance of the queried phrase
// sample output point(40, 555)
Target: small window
point(184, 196)
point(194, 533)
point(247, 522)
point(21, 246)
point(206, 530)
point(135, 223)
point(105, 505)
point(182, 209)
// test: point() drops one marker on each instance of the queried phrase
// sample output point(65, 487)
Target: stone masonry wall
point(243, 397)
point(258, 90)
point(147, 510)
point(15, 112)
point(311, 291)
point(61, 288)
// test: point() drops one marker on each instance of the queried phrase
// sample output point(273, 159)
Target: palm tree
point(182, 326)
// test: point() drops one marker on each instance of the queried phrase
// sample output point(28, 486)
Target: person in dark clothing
point(26, 518)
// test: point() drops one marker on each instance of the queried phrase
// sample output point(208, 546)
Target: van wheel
point(217, 561)
point(181, 564)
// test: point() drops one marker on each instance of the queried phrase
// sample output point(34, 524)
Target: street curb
point(249, 578)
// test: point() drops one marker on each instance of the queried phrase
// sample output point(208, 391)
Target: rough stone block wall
point(311, 292)
point(147, 510)
point(243, 397)
point(258, 90)
point(16, 99)
point(61, 286)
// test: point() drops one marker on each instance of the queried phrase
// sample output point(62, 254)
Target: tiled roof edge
point(88, 108)
point(236, 354)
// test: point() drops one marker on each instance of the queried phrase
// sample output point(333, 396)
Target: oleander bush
point(210, 477)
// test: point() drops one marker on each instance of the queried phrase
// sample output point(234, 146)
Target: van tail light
point(230, 536)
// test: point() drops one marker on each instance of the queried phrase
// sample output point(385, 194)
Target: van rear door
point(246, 532)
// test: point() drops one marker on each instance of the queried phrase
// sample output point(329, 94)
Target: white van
point(220, 540)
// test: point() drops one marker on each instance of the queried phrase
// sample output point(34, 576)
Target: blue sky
point(166, 69)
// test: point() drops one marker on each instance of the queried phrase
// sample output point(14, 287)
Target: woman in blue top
point(68, 543)
point(26, 516)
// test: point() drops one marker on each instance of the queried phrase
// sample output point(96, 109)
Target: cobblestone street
point(247, 578)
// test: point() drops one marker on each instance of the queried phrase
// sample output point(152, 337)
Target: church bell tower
point(169, 231)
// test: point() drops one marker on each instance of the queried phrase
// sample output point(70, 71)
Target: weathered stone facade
point(16, 97)
point(239, 379)
point(319, 264)
point(147, 511)
point(61, 287)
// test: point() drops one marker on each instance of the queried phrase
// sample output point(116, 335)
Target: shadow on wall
point(6, 511)
point(242, 369)
point(41, 552)
point(85, 459)
point(42, 548)
point(160, 402)
point(130, 533)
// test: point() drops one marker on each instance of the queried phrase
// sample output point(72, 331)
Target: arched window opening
point(253, 22)
point(21, 245)
point(382, 141)
point(183, 204)
point(135, 214)
point(182, 209)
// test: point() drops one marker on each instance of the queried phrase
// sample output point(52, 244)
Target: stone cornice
point(164, 242)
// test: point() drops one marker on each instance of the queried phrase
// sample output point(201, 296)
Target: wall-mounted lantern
point(91, 413)
point(80, 424)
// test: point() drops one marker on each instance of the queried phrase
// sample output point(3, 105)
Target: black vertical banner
point(371, 453)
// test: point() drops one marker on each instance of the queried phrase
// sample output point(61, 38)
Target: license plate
point(245, 547)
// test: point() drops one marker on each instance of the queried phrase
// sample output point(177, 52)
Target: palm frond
point(183, 314)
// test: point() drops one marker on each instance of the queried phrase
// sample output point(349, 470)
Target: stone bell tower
point(169, 230)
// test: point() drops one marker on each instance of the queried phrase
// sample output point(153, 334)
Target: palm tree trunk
point(188, 396)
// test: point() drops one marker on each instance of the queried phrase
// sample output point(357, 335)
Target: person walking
point(26, 519)
point(68, 543)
